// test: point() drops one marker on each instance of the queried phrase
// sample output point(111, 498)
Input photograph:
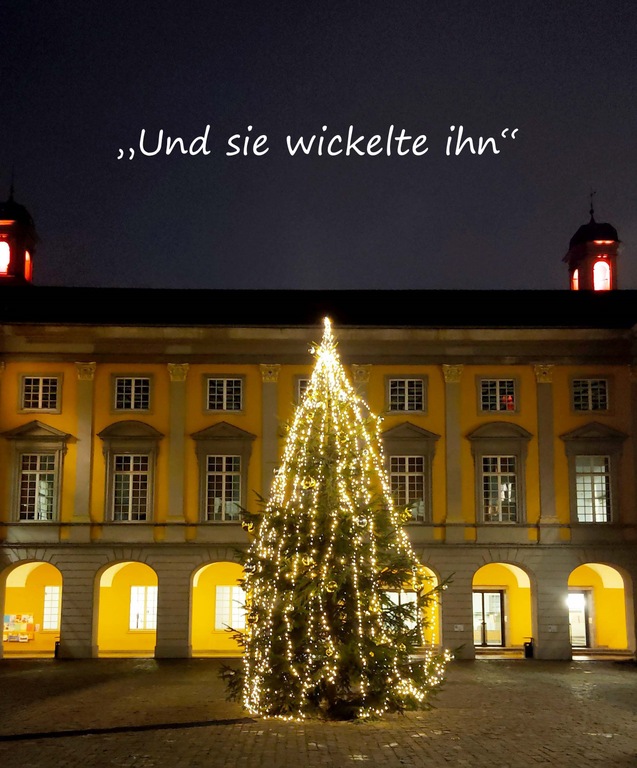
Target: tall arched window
point(601, 276)
point(575, 280)
point(5, 257)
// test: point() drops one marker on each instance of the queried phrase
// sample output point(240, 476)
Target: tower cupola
point(592, 256)
point(18, 239)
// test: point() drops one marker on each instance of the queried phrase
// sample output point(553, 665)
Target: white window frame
point(405, 597)
point(497, 390)
point(139, 476)
point(410, 496)
point(587, 489)
point(230, 495)
point(229, 607)
point(300, 387)
point(507, 490)
point(27, 476)
point(584, 402)
point(40, 406)
point(400, 402)
point(135, 382)
point(52, 608)
point(228, 405)
point(143, 605)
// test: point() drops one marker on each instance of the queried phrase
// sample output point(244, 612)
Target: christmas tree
point(324, 637)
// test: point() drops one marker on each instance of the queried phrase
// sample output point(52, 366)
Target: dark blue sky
point(79, 80)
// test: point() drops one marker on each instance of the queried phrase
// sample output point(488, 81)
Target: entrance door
point(578, 615)
point(488, 617)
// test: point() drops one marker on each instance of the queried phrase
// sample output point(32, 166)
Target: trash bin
point(56, 652)
point(528, 649)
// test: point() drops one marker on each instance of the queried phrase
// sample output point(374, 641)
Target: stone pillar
point(360, 375)
point(177, 440)
point(174, 580)
point(550, 620)
point(84, 455)
point(454, 522)
point(269, 425)
point(549, 532)
point(632, 589)
point(78, 626)
point(457, 613)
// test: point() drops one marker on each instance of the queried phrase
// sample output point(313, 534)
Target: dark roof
point(366, 308)
point(12, 210)
point(594, 230)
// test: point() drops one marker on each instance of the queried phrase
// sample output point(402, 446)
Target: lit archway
point(597, 607)
point(127, 610)
point(502, 615)
point(217, 604)
point(32, 609)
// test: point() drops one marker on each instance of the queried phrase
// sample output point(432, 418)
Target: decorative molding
point(360, 373)
point(543, 373)
point(178, 371)
point(86, 371)
point(452, 373)
point(270, 373)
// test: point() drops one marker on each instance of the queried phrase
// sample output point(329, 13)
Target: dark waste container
point(56, 652)
point(528, 649)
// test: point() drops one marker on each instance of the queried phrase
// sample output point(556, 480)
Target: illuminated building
point(135, 423)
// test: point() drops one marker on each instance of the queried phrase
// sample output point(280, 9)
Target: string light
point(325, 549)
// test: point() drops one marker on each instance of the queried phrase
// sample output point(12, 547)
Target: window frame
point(57, 377)
point(607, 475)
point(592, 411)
point(481, 380)
point(241, 624)
point(389, 379)
point(298, 395)
point(224, 473)
point(146, 588)
point(208, 377)
point(417, 516)
point(500, 473)
point(115, 377)
point(58, 606)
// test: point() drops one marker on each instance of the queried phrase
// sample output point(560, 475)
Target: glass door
point(488, 617)
point(578, 618)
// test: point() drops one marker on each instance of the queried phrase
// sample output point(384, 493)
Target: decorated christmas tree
point(325, 634)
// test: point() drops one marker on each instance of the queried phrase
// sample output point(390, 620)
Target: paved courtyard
point(145, 713)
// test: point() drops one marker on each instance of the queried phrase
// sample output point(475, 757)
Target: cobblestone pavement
point(145, 713)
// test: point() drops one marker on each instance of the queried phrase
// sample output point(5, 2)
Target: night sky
point(80, 80)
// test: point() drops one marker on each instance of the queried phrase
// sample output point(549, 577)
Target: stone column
point(454, 522)
point(269, 424)
point(360, 375)
point(174, 580)
point(78, 625)
point(457, 612)
point(551, 621)
point(84, 455)
point(632, 520)
point(178, 373)
point(549, 532)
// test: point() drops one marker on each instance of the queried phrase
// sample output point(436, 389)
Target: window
point(406, 394)
point(51, 617)
point(499, 489)
point(229, 608)
point(499, 451)
point(302, 384)
point(40, 393)
point(143, 608)
point(223, 454)
point(497, 395)
point(592, 482)
point(5, 257)
point(405, 598)
point(601, 276)
point(411, 451)
point(224, 394)
point(130, 487)
point(38, 458)
point(223, 501)
point(131, 393)
point(37, 486)
point(594, 455)
point(590, 394)
point(407, 481)
point(130, 449)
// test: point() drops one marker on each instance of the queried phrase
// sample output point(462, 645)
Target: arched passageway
point(502, 616)
point(217, 605)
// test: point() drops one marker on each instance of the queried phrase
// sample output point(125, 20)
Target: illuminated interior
point(597, 607)
point(127, 610)
point(28, 266)
point(32, 608)
point(5, 257)
point(501, 606)
point(601, 276)
point(575, 280)
point(217, 602)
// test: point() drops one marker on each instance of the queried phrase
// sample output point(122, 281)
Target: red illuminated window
point(28, 266)
point(601, 276)
point(5, 257)
point(575, 281)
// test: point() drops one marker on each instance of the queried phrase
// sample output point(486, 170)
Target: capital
point(452, 373)
point(270, 373)
point(178, 371)
point(85, 371)
point(360, 373)
point(543, 374)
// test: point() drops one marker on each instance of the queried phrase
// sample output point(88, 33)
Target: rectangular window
point(229, 608)
point(405, 598)
point(132, 393)
point(51, 617)
point(223, 487)
point(224, 394)
point(130, 487)
point(592, 486)
point(40, 393)
point(143, 608)
point(499, 489)
point(38, 475)
point(590, 394)
point(407, 482)
point(301, 387)
point(497, 395)
point(406, 395)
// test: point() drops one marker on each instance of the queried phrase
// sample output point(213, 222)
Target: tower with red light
point(17, 243)
point(592, 257)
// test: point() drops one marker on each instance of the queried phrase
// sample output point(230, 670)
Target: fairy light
point(312, 604)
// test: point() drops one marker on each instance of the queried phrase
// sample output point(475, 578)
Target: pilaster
point(269, 424)
point(360, 376)
point(178, 373)
point(84, 452)
point(454, 521)
point(549, 533)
